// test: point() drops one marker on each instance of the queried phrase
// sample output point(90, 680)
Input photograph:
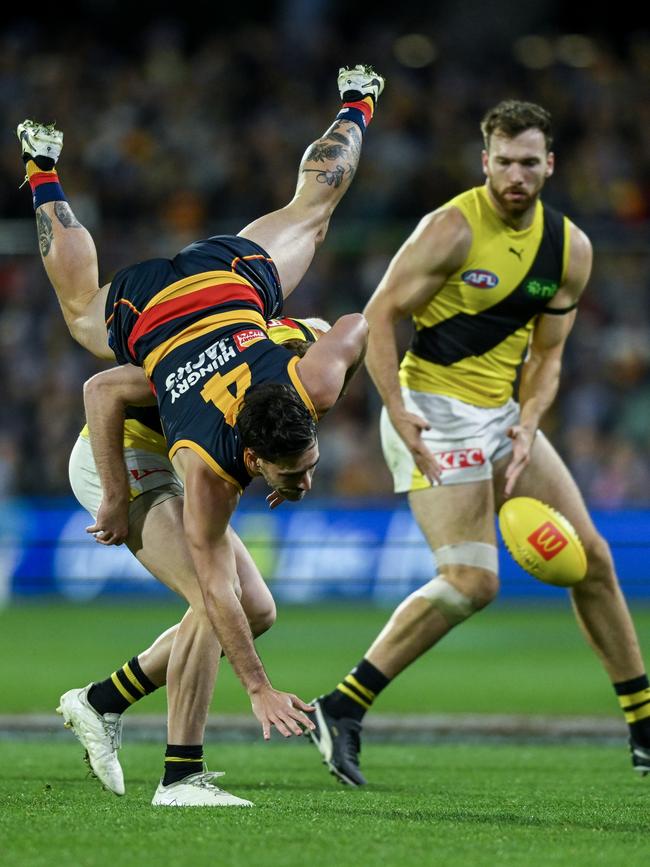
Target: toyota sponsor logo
point(480, 279)
point(460, 459)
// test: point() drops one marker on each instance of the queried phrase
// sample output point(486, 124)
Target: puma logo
point(516, 252)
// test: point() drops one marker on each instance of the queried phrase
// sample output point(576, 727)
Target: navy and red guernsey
point(197, 325)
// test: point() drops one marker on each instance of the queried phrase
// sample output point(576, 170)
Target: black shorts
point(151, 302)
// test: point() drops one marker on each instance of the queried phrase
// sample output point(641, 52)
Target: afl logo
point(480, 279)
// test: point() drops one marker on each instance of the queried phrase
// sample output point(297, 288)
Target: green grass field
point(506, 659)
point(485, 803)
point(447, 805)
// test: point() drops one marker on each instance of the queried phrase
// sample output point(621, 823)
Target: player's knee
point(480, 585)
point(459, 595)
point(600, 564)
point(473, 568)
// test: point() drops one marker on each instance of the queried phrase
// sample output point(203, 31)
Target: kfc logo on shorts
point(246, 338)
point(547, 540)
point(480, 279)
point(460, 459)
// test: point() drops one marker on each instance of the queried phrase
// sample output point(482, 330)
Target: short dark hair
point(274, 422)
point(512, 117)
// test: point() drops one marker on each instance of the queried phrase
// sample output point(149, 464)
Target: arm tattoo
point(44, 230)
point(65, 216)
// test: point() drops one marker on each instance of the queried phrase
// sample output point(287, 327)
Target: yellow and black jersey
point(281, 330)
point(470, 338)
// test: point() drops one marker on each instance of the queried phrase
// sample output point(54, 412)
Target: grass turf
point(507, 659)
point(450, 804)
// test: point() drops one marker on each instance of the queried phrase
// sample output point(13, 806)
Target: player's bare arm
point(332, 361)
point(106, 396)
point(540, 375)
point(419, 270)
point(208, 507)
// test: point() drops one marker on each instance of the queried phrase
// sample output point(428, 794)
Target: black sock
point(356, 693)
point(122, 689)
point(181, 761)
point(634, 698)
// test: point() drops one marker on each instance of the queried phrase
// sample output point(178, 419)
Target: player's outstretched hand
point(112, 524)
point(522, 442)
point(283, 710)
point(410, 426)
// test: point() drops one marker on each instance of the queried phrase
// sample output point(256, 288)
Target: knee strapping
point(450, 602)
point(478, 554)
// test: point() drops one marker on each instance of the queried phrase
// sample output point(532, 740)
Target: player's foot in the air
point(197, 790)
point(640, 758)
point(339, 743)
point(358, 81)
point(100, 735)
point(40, 140)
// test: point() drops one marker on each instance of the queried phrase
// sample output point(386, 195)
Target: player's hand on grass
point(522, 443)
point(284, 710)
point(410, 427)
point(112, 524)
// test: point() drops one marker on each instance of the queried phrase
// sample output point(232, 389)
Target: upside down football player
point(150, 522)
point(233, 405)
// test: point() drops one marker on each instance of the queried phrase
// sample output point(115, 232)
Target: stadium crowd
point(176, 137)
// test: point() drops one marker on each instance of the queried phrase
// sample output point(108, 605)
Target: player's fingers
point(281, 727)
point(95, 528)
point(266, 730)
point(292, 726)
point(300, 704)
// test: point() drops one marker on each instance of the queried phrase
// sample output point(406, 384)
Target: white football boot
point(358, 81)
point(39, 140)
point(100, 735)
point(197, 790)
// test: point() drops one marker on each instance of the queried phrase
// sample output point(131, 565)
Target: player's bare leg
point(66, 247)
point(457, 523)
point(291, 235)
point(256, 599)
point(194, 655)
point(420, 622)
point(598, 603)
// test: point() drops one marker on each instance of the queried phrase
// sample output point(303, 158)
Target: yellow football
point(542, 541)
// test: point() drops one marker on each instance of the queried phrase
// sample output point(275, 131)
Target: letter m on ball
point(547, 540)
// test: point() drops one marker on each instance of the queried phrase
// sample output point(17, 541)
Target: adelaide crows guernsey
point(142, 425)
point(471, 337)
point(197, 325)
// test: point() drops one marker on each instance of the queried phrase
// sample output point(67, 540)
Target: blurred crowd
point(176, 136)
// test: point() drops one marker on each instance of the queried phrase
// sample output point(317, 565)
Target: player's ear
point(550, 164)
point(251, 461)
point(484, 161)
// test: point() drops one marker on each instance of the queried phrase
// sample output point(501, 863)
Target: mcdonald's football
point(542, 541)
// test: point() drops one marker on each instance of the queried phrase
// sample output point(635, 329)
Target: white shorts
point(149, 473)
point(465, 439)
